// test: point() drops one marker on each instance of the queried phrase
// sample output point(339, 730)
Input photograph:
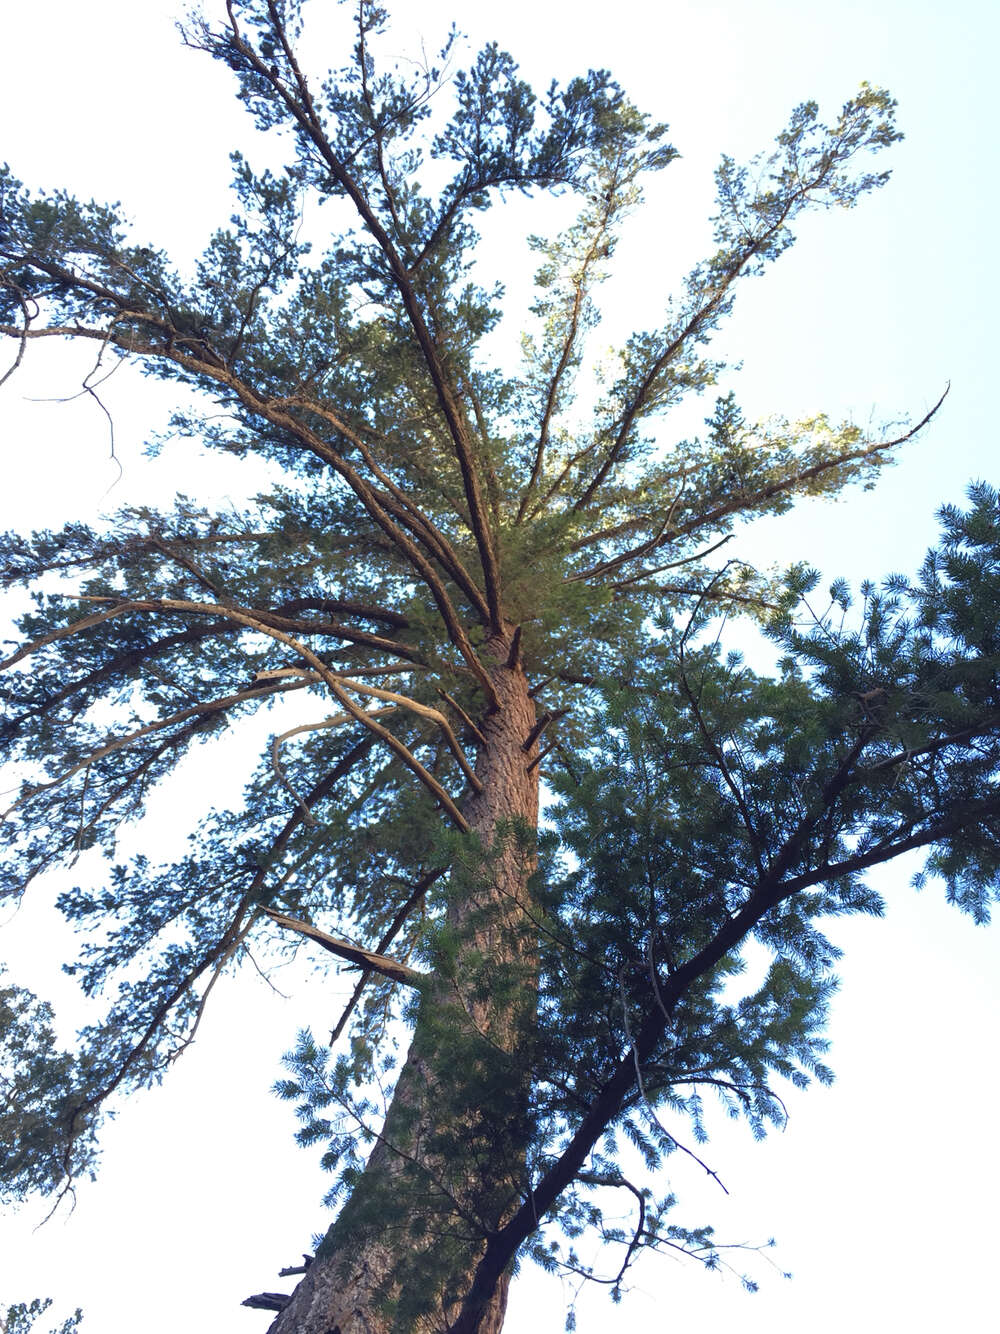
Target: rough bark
point(448, 1168)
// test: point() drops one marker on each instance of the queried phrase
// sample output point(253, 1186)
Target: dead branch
point(424, 711)
point(464, 716)
point(514, 660)
point(268, 1301)
point(645, 1099)
point(550, 716)
point(376, 963)
point(415, 897)
point(541, 756)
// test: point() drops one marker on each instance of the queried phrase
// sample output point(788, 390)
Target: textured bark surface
point(449, 1164)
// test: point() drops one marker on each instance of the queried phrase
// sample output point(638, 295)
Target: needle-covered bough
point(456, 585)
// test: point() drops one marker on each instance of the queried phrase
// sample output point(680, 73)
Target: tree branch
point(376, 963)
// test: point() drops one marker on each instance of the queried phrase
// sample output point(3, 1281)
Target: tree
point(453, 535)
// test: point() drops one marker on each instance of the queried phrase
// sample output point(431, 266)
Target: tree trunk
point(448, 1167)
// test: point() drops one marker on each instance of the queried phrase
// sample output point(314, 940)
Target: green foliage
point(41, 1093)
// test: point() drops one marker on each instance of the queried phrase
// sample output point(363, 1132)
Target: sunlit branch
point(333, 681)
point(693, 331)
point(264, 624)
point(424, 711)
point(673, 564)
point(596, 249)
point(764, 494)
point(76, 627)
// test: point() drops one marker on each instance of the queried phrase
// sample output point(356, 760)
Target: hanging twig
point(642, 1091)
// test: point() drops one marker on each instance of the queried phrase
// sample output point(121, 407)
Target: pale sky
point(881, 1193)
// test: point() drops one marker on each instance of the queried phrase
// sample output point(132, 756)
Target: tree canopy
point(487, 582)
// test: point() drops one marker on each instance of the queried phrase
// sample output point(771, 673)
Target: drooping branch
point(413, 900)
point(368, 959)
point(277, 413)
point(331, 678)
point(748, 503)
point(235, 932)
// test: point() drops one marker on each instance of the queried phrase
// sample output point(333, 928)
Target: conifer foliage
point(464, 586)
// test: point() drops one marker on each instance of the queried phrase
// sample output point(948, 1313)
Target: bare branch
point(424, 711)
point(377, 963)
point(548, 717)
point(464, 716)
point(646, 1102)
point(415, 897)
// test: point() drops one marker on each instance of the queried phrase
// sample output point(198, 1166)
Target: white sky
point(882, 1191)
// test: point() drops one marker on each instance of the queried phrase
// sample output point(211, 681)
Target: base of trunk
point(332, 1301)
